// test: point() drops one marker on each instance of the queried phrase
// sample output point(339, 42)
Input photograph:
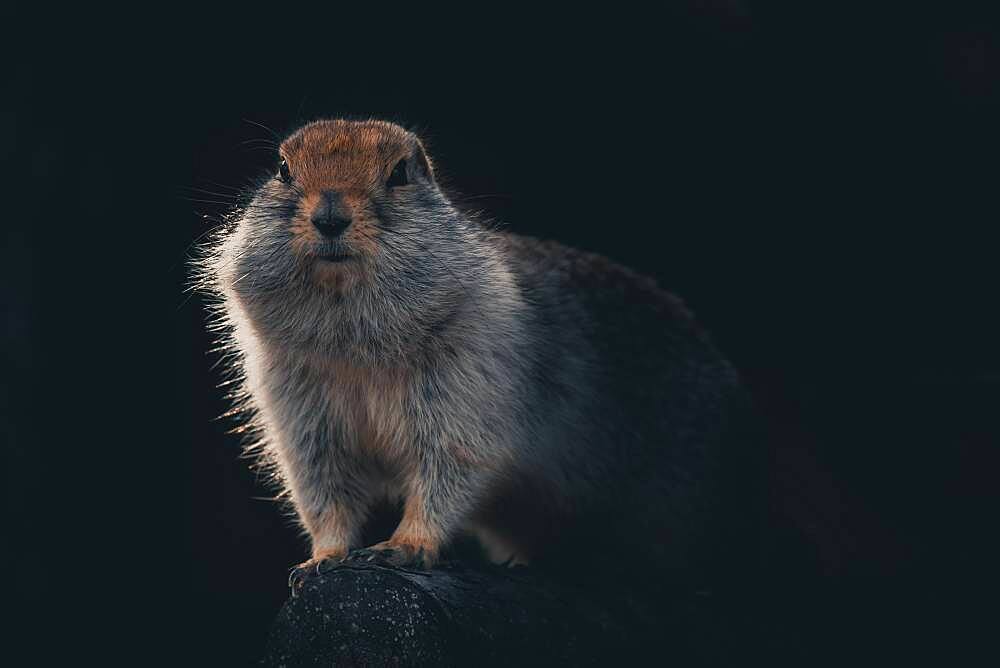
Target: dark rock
point(366, 613)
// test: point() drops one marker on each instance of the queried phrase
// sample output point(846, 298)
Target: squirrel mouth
point(336, 257)
point(334, 253)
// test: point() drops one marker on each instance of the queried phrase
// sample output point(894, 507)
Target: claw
point(295, 580)
point(328, 564)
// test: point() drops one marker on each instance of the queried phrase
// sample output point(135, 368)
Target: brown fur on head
point(353, 156)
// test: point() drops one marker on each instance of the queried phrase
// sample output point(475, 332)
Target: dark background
point(818, 184)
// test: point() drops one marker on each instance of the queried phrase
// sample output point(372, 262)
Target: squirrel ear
point(421, 163)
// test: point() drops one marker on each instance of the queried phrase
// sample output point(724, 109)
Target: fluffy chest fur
point(340, 408)
point(371, 405)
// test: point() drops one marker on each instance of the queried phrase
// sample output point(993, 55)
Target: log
point(365, 612)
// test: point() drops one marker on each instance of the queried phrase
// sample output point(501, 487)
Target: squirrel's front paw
point(321, 562)
point(404, 553)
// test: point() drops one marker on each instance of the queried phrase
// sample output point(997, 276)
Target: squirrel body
point(544, 399)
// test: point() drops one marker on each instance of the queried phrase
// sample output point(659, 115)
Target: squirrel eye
point(286, 175)
point(398, 176)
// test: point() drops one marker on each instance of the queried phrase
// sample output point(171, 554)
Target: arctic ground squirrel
point(553, 404)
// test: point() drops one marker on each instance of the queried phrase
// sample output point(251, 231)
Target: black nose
point(330, 217)
point(329, 225)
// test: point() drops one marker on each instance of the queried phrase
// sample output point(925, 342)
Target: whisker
point(212, 192)
point(227, 187)
point(261, 140)
point(261, 125)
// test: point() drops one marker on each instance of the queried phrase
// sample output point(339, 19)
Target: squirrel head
point(350, 181)
point(346, 197)
point(350, 235)
point(348, 176)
